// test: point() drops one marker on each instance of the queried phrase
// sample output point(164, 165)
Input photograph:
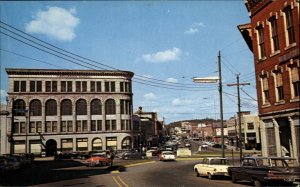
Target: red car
point(98, 159)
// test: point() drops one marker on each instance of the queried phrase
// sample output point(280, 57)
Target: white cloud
point(178, 101)
point(163, 56)
point(150, 96)
point(55, 22)
point(194, 28)
point(172, 80)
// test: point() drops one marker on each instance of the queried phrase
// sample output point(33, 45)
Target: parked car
point(133, 154)
point(218, 146)
point(152, 153)
point(167, 155)
point(98, 159)
point(204, 145)
point(187, 145)
point(212, 166)
point(13, 162)
point(24, 160)
point(267, 170)
point(4, 166)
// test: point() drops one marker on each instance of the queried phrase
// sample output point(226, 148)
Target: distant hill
point(192, 122)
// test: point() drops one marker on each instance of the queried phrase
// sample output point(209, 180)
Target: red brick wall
point(269, 63)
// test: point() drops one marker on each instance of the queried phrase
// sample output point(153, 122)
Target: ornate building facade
point(273, 37)
point(68, 111)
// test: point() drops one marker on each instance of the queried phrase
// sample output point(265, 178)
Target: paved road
point(123, 174)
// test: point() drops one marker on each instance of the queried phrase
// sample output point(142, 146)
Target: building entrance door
point(51, 147)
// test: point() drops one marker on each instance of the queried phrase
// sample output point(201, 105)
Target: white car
point(167, 155)
point(204, 145)
point(212, 166)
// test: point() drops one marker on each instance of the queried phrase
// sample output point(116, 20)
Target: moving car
point(98, 159)
point(133, 154)
point(167, 155)
point(212, 166)
point(280, 171)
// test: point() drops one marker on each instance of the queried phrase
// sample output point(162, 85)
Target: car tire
point(210, 176)
point(233, 179)
point(257, 183)
point(197, 173)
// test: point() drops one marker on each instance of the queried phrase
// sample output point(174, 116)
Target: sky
point(164, 43)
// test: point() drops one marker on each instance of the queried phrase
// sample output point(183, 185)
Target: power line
point(153, 79)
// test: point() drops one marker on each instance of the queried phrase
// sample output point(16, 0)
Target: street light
point(214, 80)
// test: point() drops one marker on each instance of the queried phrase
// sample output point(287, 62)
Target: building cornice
point(15, 71)
point(254, 6)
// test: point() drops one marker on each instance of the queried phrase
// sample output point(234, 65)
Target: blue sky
point(165, 43)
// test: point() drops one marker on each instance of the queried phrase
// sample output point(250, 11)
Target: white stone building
point(68, 111)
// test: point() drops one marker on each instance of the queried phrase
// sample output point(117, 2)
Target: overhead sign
point(206, 80)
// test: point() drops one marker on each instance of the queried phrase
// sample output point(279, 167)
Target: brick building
point(67, 110)
point(273, 36)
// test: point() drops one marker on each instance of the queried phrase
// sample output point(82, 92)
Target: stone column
point(277, 137)
point(74, 115)
point(294, 151)
point(264, 148)
point(58, 116)
point(89, 116)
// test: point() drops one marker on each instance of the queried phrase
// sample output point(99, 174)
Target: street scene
point(123, 172)
point(150, 93)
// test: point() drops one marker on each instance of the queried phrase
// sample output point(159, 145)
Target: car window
point(219, 162)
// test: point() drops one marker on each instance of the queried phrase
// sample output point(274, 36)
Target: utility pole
point(221, 103)
point(238, 84)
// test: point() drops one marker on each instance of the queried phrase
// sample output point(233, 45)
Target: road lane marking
point(122, 181)
point(115, 171)
point(141, 163)
point(119, 181)
point(116, 181)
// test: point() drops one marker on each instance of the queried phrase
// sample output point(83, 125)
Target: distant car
point(204, 145)
point(187, 145)
point(218, 146)
point(133, 154)
point(151, 153)
point(212, 166)
point(98, 159)
point(167, 155)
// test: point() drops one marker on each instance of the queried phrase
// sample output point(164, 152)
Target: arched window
point(97, 144)
point(35, 108)
point(126, 143)
point(51, 108)
point(81, 107)
point(66, 107)
point(19, 107)
point(110, 106)
point(96, 107)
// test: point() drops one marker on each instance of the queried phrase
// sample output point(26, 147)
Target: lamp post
point(215, 80)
